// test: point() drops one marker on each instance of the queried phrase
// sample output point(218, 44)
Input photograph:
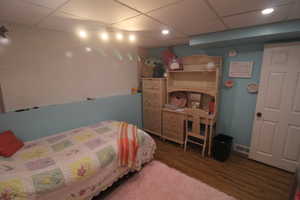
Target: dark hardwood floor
point(239, 177)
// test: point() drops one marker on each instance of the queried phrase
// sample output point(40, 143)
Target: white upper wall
point(42, 67)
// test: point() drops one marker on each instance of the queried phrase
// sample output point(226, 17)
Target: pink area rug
point(157, 181)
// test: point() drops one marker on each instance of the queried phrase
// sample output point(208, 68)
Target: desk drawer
point(151, 84)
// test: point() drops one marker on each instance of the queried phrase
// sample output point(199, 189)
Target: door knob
point(258, 114)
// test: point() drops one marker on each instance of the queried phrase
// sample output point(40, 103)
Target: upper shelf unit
point(192, 71)
point(200, 74)
point(201, 63)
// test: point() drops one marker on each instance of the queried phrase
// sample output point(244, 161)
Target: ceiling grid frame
point(145, 12)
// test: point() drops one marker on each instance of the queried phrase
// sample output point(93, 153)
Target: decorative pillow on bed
point(9, 144)
point(297, 196)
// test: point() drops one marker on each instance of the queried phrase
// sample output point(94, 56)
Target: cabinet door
point(173, 126)
point(152, 120)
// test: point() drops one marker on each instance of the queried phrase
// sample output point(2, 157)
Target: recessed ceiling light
point(82, 34)
point(119, 36)
point(267, 11)
point(88, 49)
point(69, 54)
point(165, 32)
point(131, 38)
point(104, 36)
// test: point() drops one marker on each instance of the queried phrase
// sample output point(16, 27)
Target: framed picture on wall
point(241, 69)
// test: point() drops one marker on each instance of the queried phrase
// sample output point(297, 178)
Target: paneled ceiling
point(146, 18)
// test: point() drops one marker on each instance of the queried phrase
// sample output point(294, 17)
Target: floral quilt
point(73, 165)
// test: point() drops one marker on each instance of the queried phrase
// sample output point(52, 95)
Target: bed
point(72, 165)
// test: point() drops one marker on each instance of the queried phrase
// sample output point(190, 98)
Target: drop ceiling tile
point(199, 27)
point(158, 36)
point(256, 18)
point(107, 11)
point(146, 42)
point(65, 22)
point(148, 5)
point(150, 43)
point(190, 17)
point(153, 39)
point(231, 7)
point(47, 3)
point(22, 13)
point(139, 23)
point(177, 41)
point(173, 34)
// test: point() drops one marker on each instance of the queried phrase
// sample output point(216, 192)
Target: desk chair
point(195, 117)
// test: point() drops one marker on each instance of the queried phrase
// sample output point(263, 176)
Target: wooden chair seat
point(201, 137)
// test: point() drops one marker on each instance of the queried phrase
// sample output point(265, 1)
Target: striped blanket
point(128, 145)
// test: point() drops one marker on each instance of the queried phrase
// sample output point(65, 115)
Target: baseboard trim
point(241, 149)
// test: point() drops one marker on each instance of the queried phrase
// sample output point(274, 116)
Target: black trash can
point(222, 145)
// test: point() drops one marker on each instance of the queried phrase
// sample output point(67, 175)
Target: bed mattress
point(73, 165)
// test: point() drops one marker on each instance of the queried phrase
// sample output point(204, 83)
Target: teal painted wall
point(33, 124)
point(237, 106)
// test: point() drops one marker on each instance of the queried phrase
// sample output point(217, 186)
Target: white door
point(276, 131)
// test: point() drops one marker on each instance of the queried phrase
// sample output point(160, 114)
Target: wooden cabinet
point(173, 126)
point(154, 96)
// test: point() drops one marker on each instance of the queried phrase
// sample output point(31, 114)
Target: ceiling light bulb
point(132, 38)
point(267, 11)
point(88, 49)
point(4, 41)
point(104, 36)
point(165, 31)
point(82, 34)
point(119, 36)
point(69, 54)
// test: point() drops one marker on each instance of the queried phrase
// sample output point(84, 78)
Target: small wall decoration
point(229, 83)
point(252, 87)
point(240, 69)
point(134, 91)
